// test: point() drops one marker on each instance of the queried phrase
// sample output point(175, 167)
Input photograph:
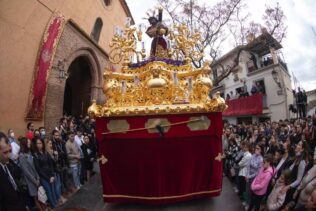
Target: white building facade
point(258, 64)
point(311, 102)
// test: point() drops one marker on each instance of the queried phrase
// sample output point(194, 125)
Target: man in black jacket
point(10, 196)
point(62, 161)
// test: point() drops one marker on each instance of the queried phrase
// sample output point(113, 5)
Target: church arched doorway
point(77, 95)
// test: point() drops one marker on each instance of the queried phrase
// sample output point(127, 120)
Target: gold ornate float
point(164, 83)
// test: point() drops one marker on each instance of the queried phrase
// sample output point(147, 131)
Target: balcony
point(266, 65)
point(245, 106)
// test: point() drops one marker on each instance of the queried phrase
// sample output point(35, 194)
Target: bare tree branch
point(217, 21)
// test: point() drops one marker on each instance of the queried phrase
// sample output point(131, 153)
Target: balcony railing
point(264, 64)
point(252, 105)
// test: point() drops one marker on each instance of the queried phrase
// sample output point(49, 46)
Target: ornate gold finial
point(94, 109)
point(102, 159)
point(219, 157)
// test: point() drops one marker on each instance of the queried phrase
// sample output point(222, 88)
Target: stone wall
point(73, 44)
point(22, 24)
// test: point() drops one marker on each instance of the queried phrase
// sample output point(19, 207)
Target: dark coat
point(30, 174)
point(44, 165)
point(87, 156)
point(60, 148)
point(10, 199)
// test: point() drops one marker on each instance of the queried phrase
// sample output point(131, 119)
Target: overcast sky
point(299, 47)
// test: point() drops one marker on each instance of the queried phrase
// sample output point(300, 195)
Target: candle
point(118, 31)
point(187, 96)
point(136, 80)
point(128, 22)
point(123, 88)
point(175, 78)
point(189, 83)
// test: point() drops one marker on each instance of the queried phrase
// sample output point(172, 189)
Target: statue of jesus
point(157, 30)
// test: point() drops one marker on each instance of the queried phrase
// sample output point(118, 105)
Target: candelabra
point(124, 44)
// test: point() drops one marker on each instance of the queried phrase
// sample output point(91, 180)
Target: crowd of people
point(39, 170)
point(272, 164)
point(301, 102)
point(243, 91)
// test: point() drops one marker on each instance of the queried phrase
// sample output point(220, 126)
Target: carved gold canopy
point(161, 84)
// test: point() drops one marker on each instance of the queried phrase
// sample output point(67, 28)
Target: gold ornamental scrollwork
point(165, 84)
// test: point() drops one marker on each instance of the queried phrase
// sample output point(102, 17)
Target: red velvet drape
point(144, 167)
point(251, 105)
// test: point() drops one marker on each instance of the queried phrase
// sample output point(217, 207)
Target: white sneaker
point(235, 189)
point(244, 204)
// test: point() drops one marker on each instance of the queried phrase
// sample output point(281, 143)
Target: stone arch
point(96, 72)
point(56, 86)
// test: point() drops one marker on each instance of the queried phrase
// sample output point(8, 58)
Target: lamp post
point(276, 78)
point(62, 74)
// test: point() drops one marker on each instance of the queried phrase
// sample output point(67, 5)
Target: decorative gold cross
point(103, 160)
point(219, 157)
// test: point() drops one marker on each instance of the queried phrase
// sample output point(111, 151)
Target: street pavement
point(89, 197)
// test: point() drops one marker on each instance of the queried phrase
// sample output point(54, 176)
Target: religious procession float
point(159, 131)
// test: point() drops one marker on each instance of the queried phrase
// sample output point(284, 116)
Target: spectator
point(28, 168)
point(259, 88)
point(93, 142)
point(44, 165)
point(243, 169)
point(273, 146)
point(285, 161)
point(299, 164)
point(255, 163)
point(260, 184)
point(254, 89)
point(230, 155)
point(30, 130)
point(87, 156)
point(300, 103)
point(283, 133)
point(86, 124)
point(42, 132)
point(297, 135)
point(36, 134)
point(237, 94)
point(63, 127)
point(305, 189)
point(297, 169)
point(57, 182)
point(253, 168)
point(59, 151)
point(82, 167)
point(73, 153)
point(311, 203)
point(10, 197)
point(232, 96)
point(277, 196)
point(227, 96)
point(15, 147)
